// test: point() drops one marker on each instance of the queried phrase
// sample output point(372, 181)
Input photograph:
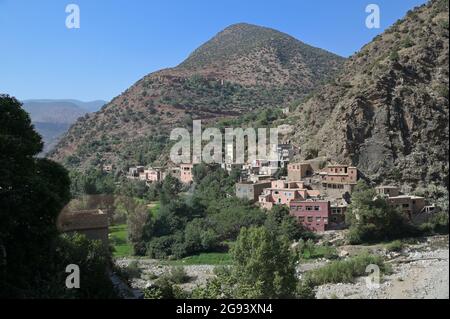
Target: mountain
point(91, 106)
point(242, 69)
point(388, 111)
point(52, 118)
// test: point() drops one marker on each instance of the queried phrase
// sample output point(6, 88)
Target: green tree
point(264, 260)
point(281, 223)
point(32, 193)
point(371, 218)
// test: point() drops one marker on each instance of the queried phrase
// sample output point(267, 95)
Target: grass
point(204, 259)
point(319, 251)
point(154, 208)
point(119, 238)
point(309, 250)
point(345, 271)
point(395, 246)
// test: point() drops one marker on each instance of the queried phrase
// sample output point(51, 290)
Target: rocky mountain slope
point(388, 111)
point(243, 68)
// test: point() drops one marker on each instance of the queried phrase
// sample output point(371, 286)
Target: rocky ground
point(420, 271)
point(152, 269)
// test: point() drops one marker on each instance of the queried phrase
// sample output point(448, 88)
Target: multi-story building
point(410, 205)
point(339, 175)
point(251, 191)
point(314, 215)
point(151, 175)
point(388, 191)
point(338, 180)
point(298, 171)
point(186, 174)
point(283, 192)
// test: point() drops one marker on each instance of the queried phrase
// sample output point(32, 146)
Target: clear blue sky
point(122, 40)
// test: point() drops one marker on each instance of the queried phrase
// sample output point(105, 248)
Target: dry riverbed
point(419, 271)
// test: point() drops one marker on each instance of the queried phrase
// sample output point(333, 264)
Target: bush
point(396, 246)
point(178, 275)
point(372, 219)
point(164, 288)
point(133, 270)
point(344, 271)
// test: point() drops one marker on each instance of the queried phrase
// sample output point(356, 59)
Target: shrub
point(344, 271)
point(178, 275)
point(396, 245)
point(133, 270)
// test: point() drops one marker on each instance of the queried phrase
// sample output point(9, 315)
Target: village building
point(298, 171)
point(251, 191)
point(186, 173)
point(388, 191)
point(313, 215)
point(91, 223)
point(338, 209)
point(174, 171)
point(410, 205)
point(284, 153)
point(151, 175)
point(282, 192)
point(134, 172)
point(338, 181)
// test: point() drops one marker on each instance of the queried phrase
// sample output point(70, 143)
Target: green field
point(204, 259)
point(154, 208)
point(118, 236)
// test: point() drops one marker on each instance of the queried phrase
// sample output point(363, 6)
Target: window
point(318, 219)
point(310, 219)
point(309, 208)
point(405, 205)
point(301, 219)
point(317, 208)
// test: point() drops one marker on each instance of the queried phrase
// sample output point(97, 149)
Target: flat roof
point(406, 196)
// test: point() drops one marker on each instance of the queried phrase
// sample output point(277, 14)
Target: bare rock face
point(388, 111)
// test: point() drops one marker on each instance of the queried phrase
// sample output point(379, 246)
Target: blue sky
point(122, 40)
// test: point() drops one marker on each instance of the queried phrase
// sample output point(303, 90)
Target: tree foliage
point(371, 218)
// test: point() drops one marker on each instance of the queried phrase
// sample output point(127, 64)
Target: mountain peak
point(242, 39)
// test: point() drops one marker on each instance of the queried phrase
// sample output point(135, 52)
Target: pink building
point(313, 215)
point(340, 174)
point(282, 192)
point(186, 175)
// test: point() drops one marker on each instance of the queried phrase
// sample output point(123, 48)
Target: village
point(316, 194)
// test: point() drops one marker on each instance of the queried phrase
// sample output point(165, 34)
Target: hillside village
point(316, 194)
point(359, 180)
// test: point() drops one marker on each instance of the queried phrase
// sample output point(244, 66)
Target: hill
point(242, 69)
point(52, 118)
point(387, 112)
